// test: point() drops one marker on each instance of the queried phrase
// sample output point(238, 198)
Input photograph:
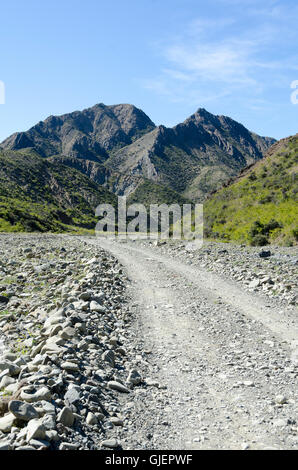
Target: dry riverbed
point(66, 355)
point(109, 345)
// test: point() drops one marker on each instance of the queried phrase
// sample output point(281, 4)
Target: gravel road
point(222, 368)
point(111, 345)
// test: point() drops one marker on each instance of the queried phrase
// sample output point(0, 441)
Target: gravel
point(65, 351)
point(133, 346)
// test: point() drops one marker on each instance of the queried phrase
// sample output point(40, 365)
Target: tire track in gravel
point(214, 401)
point(214, 287)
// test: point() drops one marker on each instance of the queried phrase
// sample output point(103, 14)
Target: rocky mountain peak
point(191, 158)
point(91, 133)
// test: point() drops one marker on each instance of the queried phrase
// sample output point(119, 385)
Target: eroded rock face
point(87, 134)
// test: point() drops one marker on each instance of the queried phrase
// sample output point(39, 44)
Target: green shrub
point(252, 176)
point(259, 240)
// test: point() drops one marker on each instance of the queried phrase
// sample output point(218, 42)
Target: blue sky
point(168, 57)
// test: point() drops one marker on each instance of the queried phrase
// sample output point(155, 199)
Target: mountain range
point(55, 174)
point(120, 148)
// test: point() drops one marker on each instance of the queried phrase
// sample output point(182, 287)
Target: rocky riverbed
point(67, 360)
point(174, 348)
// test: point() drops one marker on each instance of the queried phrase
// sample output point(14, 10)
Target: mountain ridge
point(88, 133)
point(176, 156)
point(192, 158)
point(65, 165)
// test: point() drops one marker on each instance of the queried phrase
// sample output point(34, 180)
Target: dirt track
point(222, 358)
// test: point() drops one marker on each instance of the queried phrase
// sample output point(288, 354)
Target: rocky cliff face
point(90, 134)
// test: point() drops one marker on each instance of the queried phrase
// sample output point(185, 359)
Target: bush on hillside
point(259, 240)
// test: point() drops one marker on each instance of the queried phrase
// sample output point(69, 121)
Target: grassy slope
point(149, 192)
point(36, 195)
point(261, 206)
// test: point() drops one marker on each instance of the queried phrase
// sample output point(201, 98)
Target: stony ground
point(272, 271)
point(64, 344)
point(174, 348)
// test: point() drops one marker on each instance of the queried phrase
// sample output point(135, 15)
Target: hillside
point(149, 192)
point(260, 207)
point(38, 195)
point(119, 146)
